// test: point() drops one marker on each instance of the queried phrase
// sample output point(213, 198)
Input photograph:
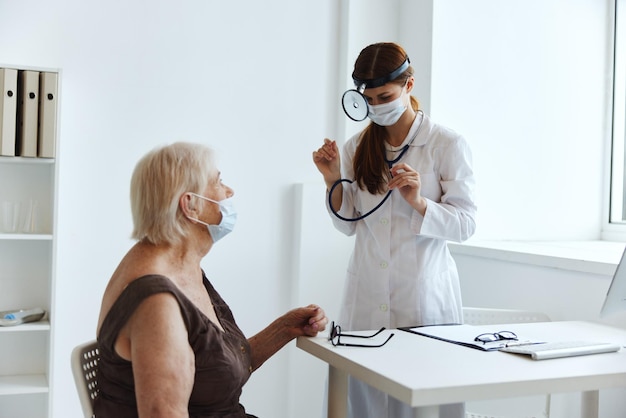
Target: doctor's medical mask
point(387, 114)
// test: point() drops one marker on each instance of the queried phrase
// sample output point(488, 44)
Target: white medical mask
point(387, 114)
point(229, 217)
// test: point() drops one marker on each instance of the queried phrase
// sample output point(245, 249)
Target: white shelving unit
point(27, 266)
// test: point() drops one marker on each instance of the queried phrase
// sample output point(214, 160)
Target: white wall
point(249, 78)
point(261, 81)
point(528, 84)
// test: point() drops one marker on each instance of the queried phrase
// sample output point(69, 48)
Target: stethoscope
point(356, 108)
point(390, 163)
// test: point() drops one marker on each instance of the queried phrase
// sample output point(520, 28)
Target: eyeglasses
point(496, 336)
point(336, 334)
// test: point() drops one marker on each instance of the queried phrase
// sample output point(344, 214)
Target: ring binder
point(46, 145)
point(27, 112)
point(8, 111)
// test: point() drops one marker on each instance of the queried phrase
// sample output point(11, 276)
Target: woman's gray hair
point(159, 180)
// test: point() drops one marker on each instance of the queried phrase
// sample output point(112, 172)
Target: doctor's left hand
point(409, 183)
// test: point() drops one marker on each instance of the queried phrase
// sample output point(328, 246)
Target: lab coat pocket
point(438, 300)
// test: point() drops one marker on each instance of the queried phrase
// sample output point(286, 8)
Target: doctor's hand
point(328, 161)
point(409, 183)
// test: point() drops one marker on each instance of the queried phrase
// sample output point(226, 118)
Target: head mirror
point(355, 104)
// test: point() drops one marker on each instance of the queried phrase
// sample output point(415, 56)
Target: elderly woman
point(169, 344)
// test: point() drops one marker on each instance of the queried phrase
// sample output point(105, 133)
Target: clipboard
point(464, 334)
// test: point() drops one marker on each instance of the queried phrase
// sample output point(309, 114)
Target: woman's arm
point(155, 338)
point(453, 217)
point(327, 159)
point(300, 321)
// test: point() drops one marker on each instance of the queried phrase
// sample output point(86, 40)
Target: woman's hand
point(408, 182)
point(328, 161)
point(308, 321)
point(297, 322)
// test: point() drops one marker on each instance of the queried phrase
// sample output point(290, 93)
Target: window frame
point(614, 228)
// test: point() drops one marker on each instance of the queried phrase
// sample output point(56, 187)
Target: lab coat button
point(383, 307)
point(384, 221)
point(384, 265)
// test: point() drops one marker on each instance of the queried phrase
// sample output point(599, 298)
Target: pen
point(518, 343)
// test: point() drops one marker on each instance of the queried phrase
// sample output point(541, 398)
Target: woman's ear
point(187, 205)
point(409, 84)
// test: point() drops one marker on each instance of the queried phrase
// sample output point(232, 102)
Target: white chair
point(85, 358)
point(539, 406)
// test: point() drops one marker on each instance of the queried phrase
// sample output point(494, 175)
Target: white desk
point(422, 371)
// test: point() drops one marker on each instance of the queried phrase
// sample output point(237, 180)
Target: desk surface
point(423, 371)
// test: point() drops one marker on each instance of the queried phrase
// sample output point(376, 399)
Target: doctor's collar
point(362, 84)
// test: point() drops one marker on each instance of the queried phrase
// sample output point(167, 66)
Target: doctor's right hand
point(328, 161)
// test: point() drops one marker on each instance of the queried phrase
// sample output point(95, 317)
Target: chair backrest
point(488, 316)
point(85, 358)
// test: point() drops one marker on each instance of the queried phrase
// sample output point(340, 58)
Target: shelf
point(25, 160)
point(28, 187)
point(28, 327)
point(26, 237)
point(24, 384)
point(597, 257)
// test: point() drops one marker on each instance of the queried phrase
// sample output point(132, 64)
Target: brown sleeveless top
point(223, 362)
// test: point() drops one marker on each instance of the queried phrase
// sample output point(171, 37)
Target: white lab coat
point(401, 272)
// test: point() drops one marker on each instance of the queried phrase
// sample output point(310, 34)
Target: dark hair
point(379, 60)
point(374, 61)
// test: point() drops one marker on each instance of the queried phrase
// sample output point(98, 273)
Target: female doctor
point(400, 272)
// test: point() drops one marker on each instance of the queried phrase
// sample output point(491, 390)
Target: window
point(617, 216)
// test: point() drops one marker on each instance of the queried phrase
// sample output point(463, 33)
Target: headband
point(380, 81)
